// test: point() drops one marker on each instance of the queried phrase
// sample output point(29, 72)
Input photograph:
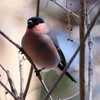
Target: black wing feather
point(63, 62)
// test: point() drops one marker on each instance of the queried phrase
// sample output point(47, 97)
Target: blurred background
point(13, 18)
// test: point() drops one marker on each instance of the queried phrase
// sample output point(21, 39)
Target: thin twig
point(90, 66)
point(74, 55)
point(66, 9)
point(3, 68)
point(15, 44)
point(12, 94)
point(12, 84)
point(47, 3)
point(43, 83)
point(82, 50)
point(38, 7)
point(21, 75)
point(10, 81)
point(28, 82)
point(73, 96)
point(69, 27)
point(93, 7)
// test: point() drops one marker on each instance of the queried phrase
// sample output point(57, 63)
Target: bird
point(42, 46)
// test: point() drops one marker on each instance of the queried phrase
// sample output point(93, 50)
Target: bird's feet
point(38, 71)
point(21, 50)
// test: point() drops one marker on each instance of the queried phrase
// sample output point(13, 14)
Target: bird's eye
point(30, 24)
point(29, 21)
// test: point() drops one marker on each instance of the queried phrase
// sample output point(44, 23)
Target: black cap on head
point(34, 21)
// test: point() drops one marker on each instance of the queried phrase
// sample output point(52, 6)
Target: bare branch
point(74, 55)
point(15, 44)
point(3, 68)
point(47, 3)
point(82, 51)
point(66, 9)
point(71, 97)
point(76, 94)
point(93, 6)
point(38, 7)
point(43, 83)
point(10, 81)
point(90, 71)
point(12, 94)
point(28, 82)
point(21, 61)
point(11, 84)
point(90, 66)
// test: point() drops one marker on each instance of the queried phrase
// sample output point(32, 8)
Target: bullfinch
point(42, 46)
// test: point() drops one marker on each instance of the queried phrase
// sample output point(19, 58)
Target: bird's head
point(33, 21)
point(37, 25)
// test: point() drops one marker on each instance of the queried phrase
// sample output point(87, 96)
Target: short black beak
point(30, 24)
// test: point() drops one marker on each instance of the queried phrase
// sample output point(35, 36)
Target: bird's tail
point(69, 76)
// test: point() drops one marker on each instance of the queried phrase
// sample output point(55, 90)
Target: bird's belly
point(46, 61)
point(45, 57)
point(42, 54)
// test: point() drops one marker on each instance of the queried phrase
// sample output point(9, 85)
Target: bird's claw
point(21, 50)
point(38, 71)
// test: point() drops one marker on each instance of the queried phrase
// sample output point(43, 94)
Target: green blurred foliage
point(64, 89)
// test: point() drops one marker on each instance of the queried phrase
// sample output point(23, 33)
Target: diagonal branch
point(5, 36)
point(74, 55)
point(66, 9)
point(73, 96)
point(10, 81)
point(93, 7)
point(12, 84)
point(12, 94)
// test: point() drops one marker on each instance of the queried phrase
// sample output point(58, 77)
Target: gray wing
point(55, 41)
point(63, 62)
